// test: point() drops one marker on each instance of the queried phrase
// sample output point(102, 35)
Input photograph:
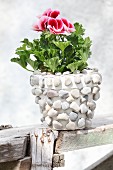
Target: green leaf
point(52, 63)
point(30, 62)
point(83, 55)
point(27, 42)
point(20, 61)
point(87, 42)
point(40, 55)
point(77, 65)
point(79, 30)
point(62, 45)
point(73, 66)
point(33, 64)
point(82, 65)
point(23, 47)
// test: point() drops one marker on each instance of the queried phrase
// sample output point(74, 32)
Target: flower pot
point(67, 101)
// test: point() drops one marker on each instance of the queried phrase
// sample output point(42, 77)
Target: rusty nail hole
point(49, 140)
point(36, 135)
point(48, 131)
point(42, 139)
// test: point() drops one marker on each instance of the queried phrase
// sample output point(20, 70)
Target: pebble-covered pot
point(67, 101)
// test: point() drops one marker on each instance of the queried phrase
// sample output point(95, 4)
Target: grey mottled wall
point(17, 104)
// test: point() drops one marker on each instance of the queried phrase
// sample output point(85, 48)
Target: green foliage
point(55, 53)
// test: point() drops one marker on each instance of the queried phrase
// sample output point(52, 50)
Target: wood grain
point(12, 148)
point(42, 145)
point(72, 140)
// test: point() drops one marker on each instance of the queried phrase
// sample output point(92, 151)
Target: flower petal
point(47, 12)
point(56, 31)
point(36, 27)
point(60, 23)
point(54, 13)
point(52, 23)
point(71, 28)
point(65, 21)
point(43, 23)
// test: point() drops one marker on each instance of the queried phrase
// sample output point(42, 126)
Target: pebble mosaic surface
point(67, 101)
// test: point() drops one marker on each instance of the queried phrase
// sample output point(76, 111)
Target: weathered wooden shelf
point(38, 148)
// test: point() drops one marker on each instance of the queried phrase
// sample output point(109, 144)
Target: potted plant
point(65, 88)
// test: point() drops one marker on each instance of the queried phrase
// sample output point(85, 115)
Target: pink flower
point(47, 12)
point(68, 27)
point(51, 13)
point(41, 25)
point(55, 26)
point(49, 20)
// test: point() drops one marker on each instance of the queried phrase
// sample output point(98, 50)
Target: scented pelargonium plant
point(61, 46)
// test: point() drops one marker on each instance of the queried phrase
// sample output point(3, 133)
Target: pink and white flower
point(55, 26)
point(48, 20)
point(51, 13)
point(41, 25)
point(68, 27)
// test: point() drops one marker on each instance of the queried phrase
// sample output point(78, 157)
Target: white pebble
point(52, 93)
point(81, 123)
point(95, 90)
point(91, 105)
point(73, 116)
point(96, 79)
point(86, 90)
point(38, 92)
point(96, 96)
point(83, 108)
point(75, 107)
point(57, 125)
point(90, 114)
point(62, 116)
point(63, 93)
point(67, 81)
point(75, 93)
point(71, 126)
point(47, 107)
point(70, 99)
point(57, 104)
point(52, 113)
point(42, 103)
point(49, 81)
point(65, 105)
point(48, 120)
point(87, 79)
point(77, 79)
point(88, 123)
point(57, 81)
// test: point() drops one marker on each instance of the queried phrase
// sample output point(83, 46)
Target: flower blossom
point(41, 25)
point(55, 26)
point(68, 27)
point(51, 13)
point(49, 21)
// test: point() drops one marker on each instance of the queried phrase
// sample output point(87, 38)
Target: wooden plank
point(23, 164)
point(2, 127)
point(12, 148)
point(58, 160)
point(42, 143)
point(19, 131)
point(72, 140)
point(25, 130)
